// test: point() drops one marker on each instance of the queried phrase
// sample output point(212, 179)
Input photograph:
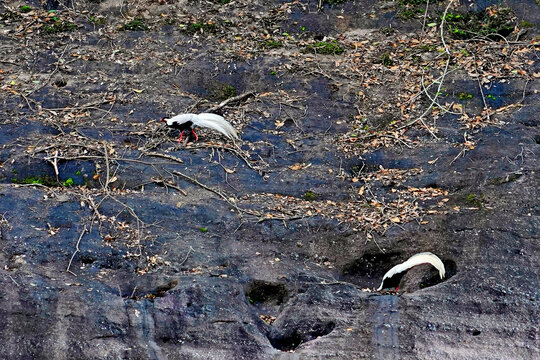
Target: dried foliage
point(395, 81)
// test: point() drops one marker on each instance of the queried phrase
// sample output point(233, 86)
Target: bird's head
point(163, 119)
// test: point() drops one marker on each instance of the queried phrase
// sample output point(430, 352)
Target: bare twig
point(235, 151)
point(196, 182)
point(168, 184)
point(432, 101)
point(9, 62)
point(219, 193)
point(185, 259)
point(442, 27)
point(425, 18)
point(76, 251)
point(463, 150)
point(230, 100)
point(107, 169)
point(57, 63)
point(165, 156)
point(436, 103)
point(524, 88)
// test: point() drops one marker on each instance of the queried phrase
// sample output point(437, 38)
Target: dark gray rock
point(155, 274)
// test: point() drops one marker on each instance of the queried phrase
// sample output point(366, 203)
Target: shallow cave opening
point(290, 339)
point(369, 266)
point(265, 292)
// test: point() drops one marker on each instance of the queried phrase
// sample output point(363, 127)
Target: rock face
point(119, 243)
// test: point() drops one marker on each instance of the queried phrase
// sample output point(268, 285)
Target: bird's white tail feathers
point(420, 258)
point(217, 123)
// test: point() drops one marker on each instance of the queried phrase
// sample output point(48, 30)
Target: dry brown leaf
point(296, 167)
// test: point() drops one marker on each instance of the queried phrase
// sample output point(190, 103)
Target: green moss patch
point(271, 44)
point(476, 200)
point(59, 26)
point(325, 48)
point(136, 24)
point(492, 22)
point(386, 60)
point(464, 96)
point(409, 9)
point(310, 195)
point(39, 179)
point(203, 27)
point(222, 91)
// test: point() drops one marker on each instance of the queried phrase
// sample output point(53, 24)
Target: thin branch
point(425, 18)
point(165, 156)
point(442, 27)
point(185, 259)
point(76, 251)
point(168, 184)
point(220, 194)
point(106, 152)
point(230, 100)
point(433, 100)
point(482, 91)
point(235, 151)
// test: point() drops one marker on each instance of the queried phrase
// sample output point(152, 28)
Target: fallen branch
point(76, 251)
point(230, 100)
point(433, 101)
point(168, 184)
point(218, 193)
point(235, 151)
point(185, 259)
point(482, 92)
point(165, 156)
point(107, 168)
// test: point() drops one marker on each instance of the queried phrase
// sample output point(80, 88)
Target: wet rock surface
point(117, 242)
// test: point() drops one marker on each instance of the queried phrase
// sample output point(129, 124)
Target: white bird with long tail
point(186, 122)
point(417, 259)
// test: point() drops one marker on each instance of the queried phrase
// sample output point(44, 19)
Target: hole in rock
point(60, 83)
point(88, 259)
point(162, 289)
point(476, 332)
point(371, 266)
point(265, 292)
point(290, 338)
point(167, 339)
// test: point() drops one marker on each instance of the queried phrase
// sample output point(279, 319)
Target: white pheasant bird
point(187, 122)
point(417, 259)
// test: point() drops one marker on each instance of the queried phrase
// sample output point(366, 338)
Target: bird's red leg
point(181, 136)
point(196, 137)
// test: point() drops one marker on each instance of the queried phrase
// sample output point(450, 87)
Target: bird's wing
point(182, 118)
point(217, 123)
point(417, 259)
